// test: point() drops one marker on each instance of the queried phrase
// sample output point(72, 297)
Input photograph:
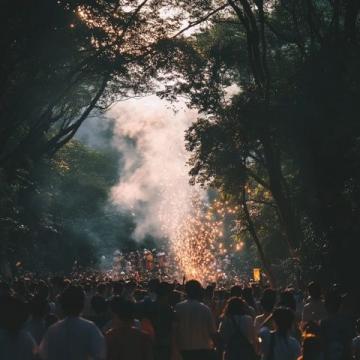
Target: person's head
point(193, 290)
point(101, 289)
point(163, 290)
point(247, 295)
point(332, 301)
point(175, 297)
point(118, 287)
point(209, 291)
point(236, 291)
point(130, 287)
point(42, 289)
point(122, 309)
point(314, 290)
point(235, 306)
point(153, 285)
point(72, 300)
point(13, 313)
point(284, 319)
point(287, 299)
point(268, 300)
point(311, 348)
point(38, 307)
point(99, 304)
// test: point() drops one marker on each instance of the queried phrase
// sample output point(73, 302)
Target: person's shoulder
point(26, 338)
point(181, 304)
point(54, 327)
point(203, 306)
point(247, 318)
point(86, 322)
point(294, 342)
point(88, 326)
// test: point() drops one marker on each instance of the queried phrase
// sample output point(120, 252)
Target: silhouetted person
point(336, 330)
point(15, 344)
point(237, 331)
point(73, 338)
point(195, 326)
point(279, 344)
point(314, 309)
point(124, 342)
point(99, 308)
point(36, 325)
point(267, 303)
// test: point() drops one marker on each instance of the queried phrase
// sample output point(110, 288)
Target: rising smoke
point(154, 182)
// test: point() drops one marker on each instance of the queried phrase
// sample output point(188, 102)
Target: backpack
point(239, 346)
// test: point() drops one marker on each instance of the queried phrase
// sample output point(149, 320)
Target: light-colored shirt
point(73, 338)
point(19, 346)
point(195, 325)
point(244, 324)
point(284, 348)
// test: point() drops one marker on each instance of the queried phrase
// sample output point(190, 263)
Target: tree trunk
point(251, 228)
point(286, 211)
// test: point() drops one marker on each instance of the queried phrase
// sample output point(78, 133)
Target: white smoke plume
point(154, 181)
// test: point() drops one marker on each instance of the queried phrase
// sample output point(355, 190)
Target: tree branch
point(202, 19)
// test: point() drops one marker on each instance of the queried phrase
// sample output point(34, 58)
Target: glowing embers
point(197, 240)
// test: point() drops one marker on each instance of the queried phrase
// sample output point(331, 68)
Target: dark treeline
point(283, 146)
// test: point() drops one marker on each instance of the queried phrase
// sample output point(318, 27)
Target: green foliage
point(291, 130)
point(63, 216)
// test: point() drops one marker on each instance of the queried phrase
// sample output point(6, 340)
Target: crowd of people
point(144, 264)
point(95, 317)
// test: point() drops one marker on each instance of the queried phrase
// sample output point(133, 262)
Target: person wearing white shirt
point(73, 338)
point(195, 326)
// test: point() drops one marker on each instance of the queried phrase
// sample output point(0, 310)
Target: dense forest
point(276, 84)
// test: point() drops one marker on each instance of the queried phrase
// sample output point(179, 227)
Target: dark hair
point(13, 313)
point(333, 301)
point(268, 300)
point(72, 300)
point(153, 284)
point(193, 290)
point(209, 291)
point(38, 306)
point(101, 288)
point(314, 290)
point(235, 306)
point(284, 318)
point(247, 295)
point(287, 299)
point(175, 297)
point(122, 308)
point(42, 289)
point(118, 287)
point(163, 289)
point(236, 290)
point(99, 304)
